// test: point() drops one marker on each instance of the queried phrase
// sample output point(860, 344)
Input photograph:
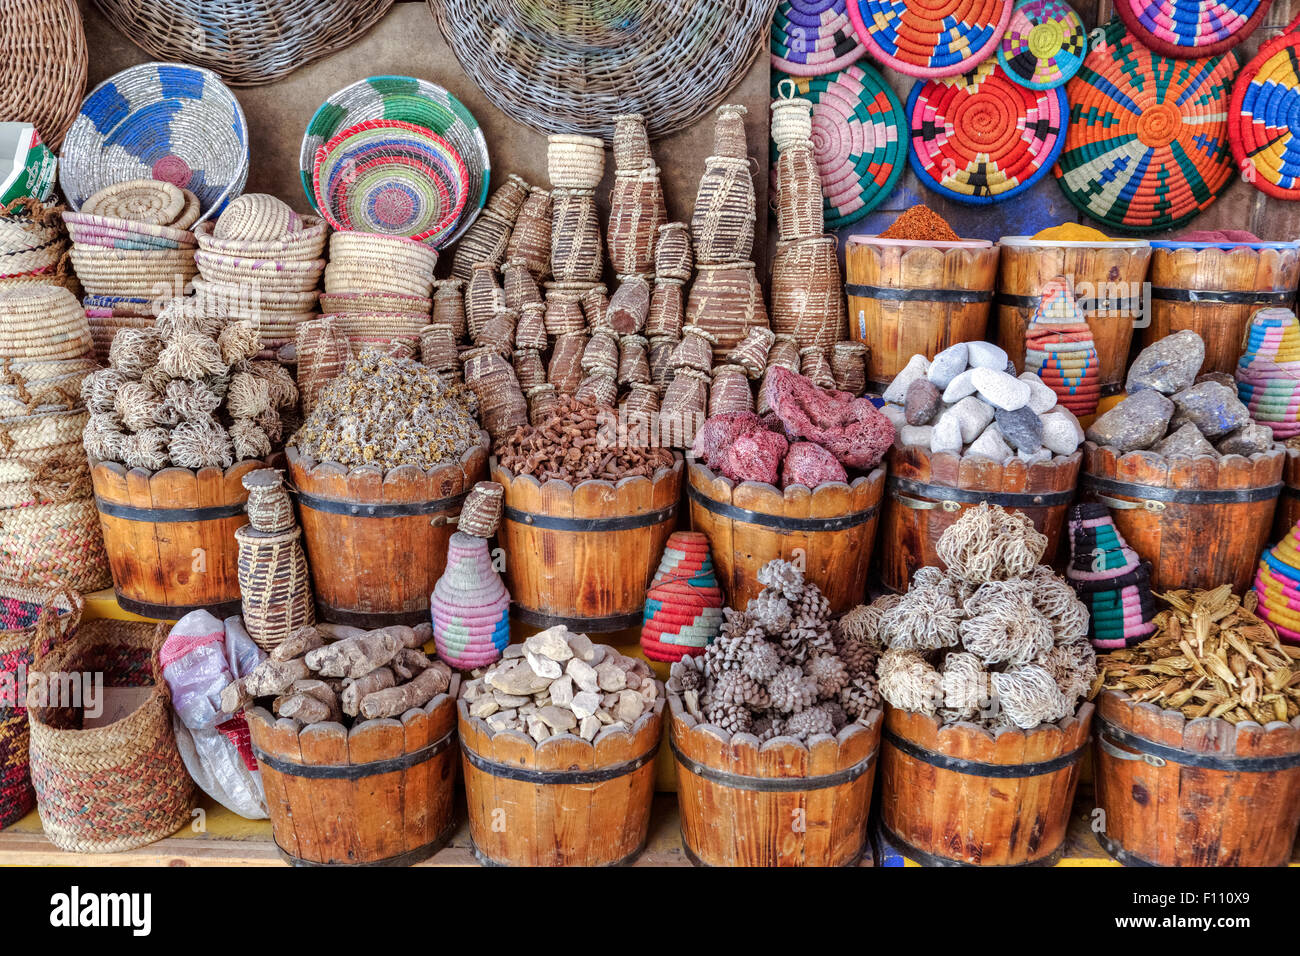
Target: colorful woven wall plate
point(1146, 147)
point(980, 138)
point(930, 38)
point(1191, 28)
point(408, 100)
point(162, 121)
point(1044, 44)
point(813, 37)
point(858, 133)
point(1264, 118)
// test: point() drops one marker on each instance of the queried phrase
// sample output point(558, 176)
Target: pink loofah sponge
point(755, 457)
point(850, 429)
point(810, 464)
point(720, 432)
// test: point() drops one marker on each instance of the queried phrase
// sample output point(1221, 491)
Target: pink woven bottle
point(470, 606)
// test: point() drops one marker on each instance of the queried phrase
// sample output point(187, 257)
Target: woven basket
point(529, 369)
point(636, 211)
point(784, 352)
point(364, 329)
point(722, 221)
point(574, 67)
point(520, 286)
point(486, 239)
point(694, 349)
point(752, 351)
point(147, 201)
point(729, 132)
point(542, 403)
point(502, 407)
point(599, 388)
point(372, 275)
point(800, 210)
point(43, 48)
point(816, 367)
point(43, 322)
point(575, 236)
point(256, 217)
point(563, 311)
point(631, 143)
point(197, 127)
point(565, 368)
point(24, 612)
point(729, 391)
point(48, 543)
point(530, 239)
point(89, 229)
point(448, 307)
point(642, 401)
point(660, 355)
point(791, 117)
point(808, 293)
point(595, 307)
point(726, 301)
point(249, 42)
point(530, 333)
point(673, 256)
point(274, 586)
point(484, 297)
point(270, 275)
point(366, 248)
point(307, 244)
point(269, 508)
point(375, 302)
point(438, 348)
point(498, 331)
point(55, 393)
point(575, 162)
point(629, 306)
point(633, 360)
point(120, 786)
point(322, 352)
point(849, 366)
point(601, 352)
point(481, 512)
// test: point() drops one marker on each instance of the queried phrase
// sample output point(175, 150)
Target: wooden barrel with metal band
point(381, 794)
point(377, 540)
point(1288, 502)
point(909, 297)
point(1203, 792)
point(781, 803)
point(583, 555)
point(563, 802)
point(959, 796)
point(928, 492)
point(1201, 522)
point(170, 536)
point(1214, 288)
point(829, 530)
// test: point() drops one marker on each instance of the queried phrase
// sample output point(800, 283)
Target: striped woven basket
point(575, 162)
point(722, 220)
point(563, 310)
point(636, 211)
point(725, 301)
point(530, 239)
point(25, 612)
point(42, 322)
point(123, 785)
point(485, 240)
point(575, 236)
point(307, 244)
point(807, 293)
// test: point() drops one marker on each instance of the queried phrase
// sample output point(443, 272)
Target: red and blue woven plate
point(930, 38)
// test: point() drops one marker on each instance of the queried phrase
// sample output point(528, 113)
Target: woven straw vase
point(120, 786)
point(575, 236)
point(800, 213)
point(807, 295)
point(636, 211)
point(722, 221)
point(274, 586)
point(726, 301)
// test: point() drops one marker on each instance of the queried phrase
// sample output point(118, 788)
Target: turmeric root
point(409, 636)
point(423, 633)
point(273, 677)
point(302, 707)
point(410, 662)
point(355, 656)
point(396, 701)
point(298, 643)
point(378, 679)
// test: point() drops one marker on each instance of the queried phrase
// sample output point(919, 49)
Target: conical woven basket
point(722, 221)
point(726, 300)
point(808, 293)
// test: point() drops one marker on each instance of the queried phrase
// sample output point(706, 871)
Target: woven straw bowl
point(305, 245)
point(274, 274)
point(164, 121)
point(409, 100)
point(360, 246)
point(575, 162)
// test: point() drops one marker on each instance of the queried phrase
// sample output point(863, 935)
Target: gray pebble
point(1137, 422)
point(1022, 429)
point(1213, 408)
point(1186, 442)
point(1167, 366)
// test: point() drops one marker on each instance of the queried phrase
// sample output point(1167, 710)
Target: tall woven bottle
point(274, 585)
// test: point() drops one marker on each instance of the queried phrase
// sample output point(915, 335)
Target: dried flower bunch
point(576, 441)
point(997, 639)
point(559, 682)
point(186, 392)
point(782, 667)
point(1211, 656)
point(389, 412)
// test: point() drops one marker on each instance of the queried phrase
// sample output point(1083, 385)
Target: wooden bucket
point(1288, 502)
point(928, 492)
point(959, 796)
point(829, 530)
point(1201, 522)
point(377, 541)
point(584, 555)
point(1204, 792)
point(381, 794)
point(780, 803)
point(170, 536)
point(564, 802)
point(1108, 277)
point(908, 297)
point(1214, 289)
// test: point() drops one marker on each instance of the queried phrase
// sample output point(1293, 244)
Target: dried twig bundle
point(137, 406)
point(248, 395)
point(145, 449)
point(134, 351)
point(103, 437)
point(248, 439)
point(191, 399)
point(99, 390)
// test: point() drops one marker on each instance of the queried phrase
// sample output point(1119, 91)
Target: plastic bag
point(200, 657)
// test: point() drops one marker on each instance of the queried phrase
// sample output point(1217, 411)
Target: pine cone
point(733, 644)
point(733, 687)
point(731, 718)
point(763, 662)
point(812, 606)
point(771, 612)
point(783, 578)
point(828, 671)
point(858, 658)
point(838, 717)
point(806, 638)
point(859, 697)
point(810, 722)
point(791, 691)
point(686, 674)
point(765, 728)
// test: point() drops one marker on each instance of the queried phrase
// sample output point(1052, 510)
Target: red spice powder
point(921, 223)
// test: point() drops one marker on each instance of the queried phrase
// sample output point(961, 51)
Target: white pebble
point(1041, 397)
point(916, 367)
point(947, 365)
point(991, 444)
point(916, 434)
point(946, 436)
point(959, 388)
point(986, 355)
point(1061, 431)
point(1036, 457)
point(1000, 389)
point(974, 414)
point(895, 414)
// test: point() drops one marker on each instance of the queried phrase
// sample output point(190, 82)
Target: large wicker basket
point(43, 49)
